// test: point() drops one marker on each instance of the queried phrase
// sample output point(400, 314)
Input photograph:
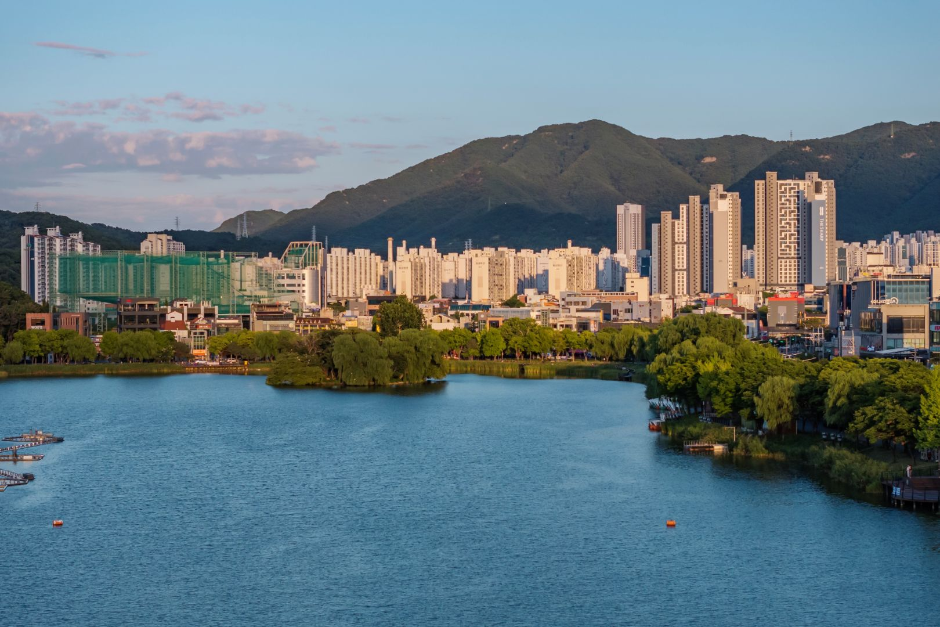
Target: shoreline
point(852, 471)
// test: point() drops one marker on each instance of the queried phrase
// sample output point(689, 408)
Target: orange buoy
point(670, 523)
point(57, 523)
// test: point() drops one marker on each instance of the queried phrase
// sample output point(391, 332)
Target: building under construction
point(230, 281)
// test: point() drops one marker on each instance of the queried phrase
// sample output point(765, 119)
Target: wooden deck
point(916, 492)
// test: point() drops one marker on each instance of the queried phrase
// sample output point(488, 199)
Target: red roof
point(173, 325)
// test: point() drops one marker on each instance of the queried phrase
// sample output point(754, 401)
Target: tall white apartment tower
point(724, 210)
point(794, 231)
point(631, 228)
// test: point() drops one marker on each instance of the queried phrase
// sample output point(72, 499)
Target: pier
point(11, 454)
point(220, 369)
point(913, 492)
point(698, 446)
point(9, 478)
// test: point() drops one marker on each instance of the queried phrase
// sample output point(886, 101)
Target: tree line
point(705, 364)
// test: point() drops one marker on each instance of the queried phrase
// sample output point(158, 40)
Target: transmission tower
point(176, 222)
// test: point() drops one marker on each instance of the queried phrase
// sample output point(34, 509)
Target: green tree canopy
point(776, 401)
point(394, 317)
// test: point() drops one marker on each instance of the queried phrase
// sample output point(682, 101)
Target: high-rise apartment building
point(631, 228)
point(161, 244)
point(794, 231)
point(724, 240)
point(418, 271)
point(353, 274)
point(39, 260)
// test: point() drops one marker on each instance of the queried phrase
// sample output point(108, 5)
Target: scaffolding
point(230, 281)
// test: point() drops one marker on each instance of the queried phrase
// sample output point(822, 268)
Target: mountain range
point(563, 182)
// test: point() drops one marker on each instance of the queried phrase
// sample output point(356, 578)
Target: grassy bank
point(857, 468)
point(88, 370)
point(523, 369)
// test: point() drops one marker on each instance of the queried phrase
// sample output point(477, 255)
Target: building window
point(906, 324)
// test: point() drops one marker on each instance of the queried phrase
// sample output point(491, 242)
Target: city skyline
point(132, 102)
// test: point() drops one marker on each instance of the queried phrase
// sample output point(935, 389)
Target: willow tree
point(776, 401)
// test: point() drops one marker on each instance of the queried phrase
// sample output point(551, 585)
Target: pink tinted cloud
point(34, 151)
point(358, 120)
point(93, 107)
point(96, 53)
point(327, 129)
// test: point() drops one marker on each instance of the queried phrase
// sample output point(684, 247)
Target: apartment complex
point(39, 254)
point(794, 231)
point(161, 244)
point(353, 274)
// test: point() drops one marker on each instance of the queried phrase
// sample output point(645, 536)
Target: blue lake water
point(216, 500)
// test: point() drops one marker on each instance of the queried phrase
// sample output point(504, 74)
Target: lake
point(216, 500)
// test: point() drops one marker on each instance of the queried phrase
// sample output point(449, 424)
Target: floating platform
point(21, 458)
point(705, 447)
point(42, 437)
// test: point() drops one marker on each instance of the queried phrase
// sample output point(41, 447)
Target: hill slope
point(257, 221)
point(563, 181)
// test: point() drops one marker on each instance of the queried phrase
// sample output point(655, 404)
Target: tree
point(885, 420)
point(928, 435)
point(360, 360)
point(14, 305)
point(80, 348)
point(492, 343)
point(848, 391)
point(394, 317)
point(776, 401)
point(12, 353)
point(266, 344)
point(292, 369)
point(513, 301)
point(29, 340)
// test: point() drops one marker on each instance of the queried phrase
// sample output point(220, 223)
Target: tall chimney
point(569, 243)
point(391, 252)
point(433, 243)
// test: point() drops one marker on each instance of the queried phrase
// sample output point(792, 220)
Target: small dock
point(9, 478)
point(698, 446)
point(12, 454)
point(226, 369)
point(913, 492)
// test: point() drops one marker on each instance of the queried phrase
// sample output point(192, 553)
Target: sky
point(133, 113)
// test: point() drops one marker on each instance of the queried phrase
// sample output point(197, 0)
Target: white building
point(352, 274)
point(161, 244)
point(39, 260)
point(724, 239)
point(631, 228)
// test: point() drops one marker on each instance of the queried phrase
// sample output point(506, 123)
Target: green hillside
point(563, 181)
point(257, 221)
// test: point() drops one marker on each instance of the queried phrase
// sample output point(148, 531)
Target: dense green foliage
point(65, 346)
point(394, 317)
point(703, 362)
point(360, 359)
point(138, 346)
point(14, 305)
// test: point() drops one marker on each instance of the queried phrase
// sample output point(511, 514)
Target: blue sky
point(132, 113)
